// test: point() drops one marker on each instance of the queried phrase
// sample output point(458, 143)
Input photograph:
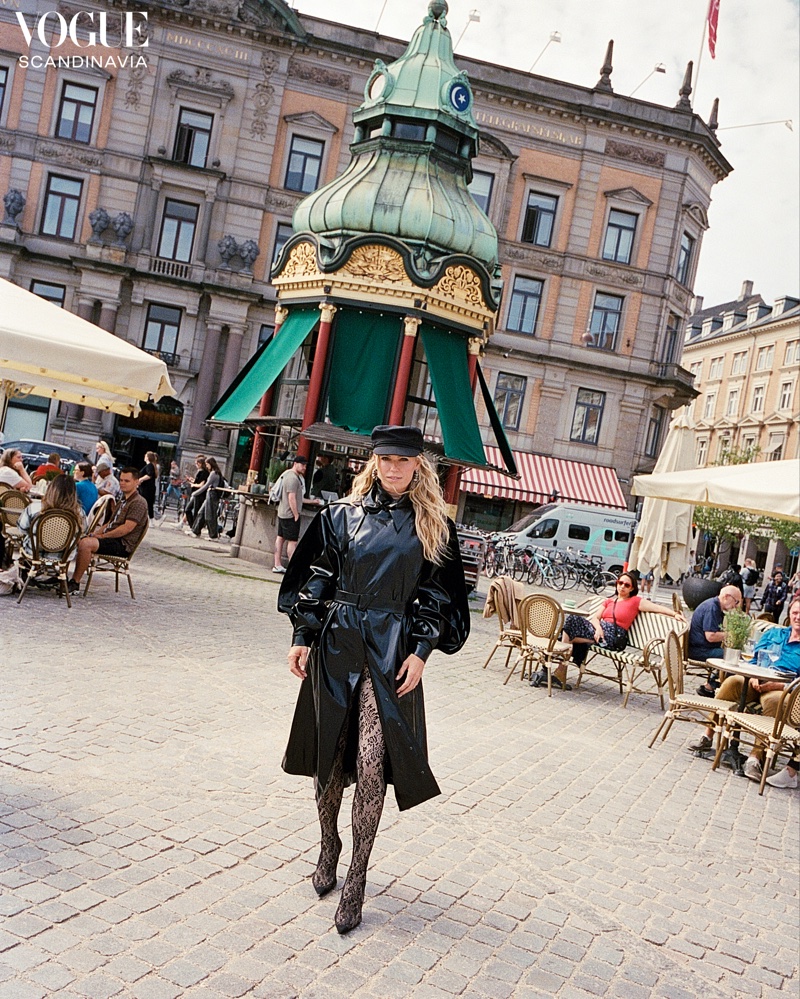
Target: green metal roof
point(410, 186)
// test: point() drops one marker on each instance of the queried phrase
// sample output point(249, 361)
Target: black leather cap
point(404, 441)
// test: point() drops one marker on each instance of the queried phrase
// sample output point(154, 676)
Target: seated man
point(85, 488)
point(50, 469)
point(121, 534)
point(107, 483)
point(705, 631)
point(786, 642)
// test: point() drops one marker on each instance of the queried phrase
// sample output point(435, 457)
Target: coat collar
point(399, 508)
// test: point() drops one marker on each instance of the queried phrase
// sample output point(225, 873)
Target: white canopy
point(764, 488)
point(47, 351)
point(664, 535)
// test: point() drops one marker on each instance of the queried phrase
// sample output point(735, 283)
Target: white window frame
point(792, 354)
point(715, 368)
point(759, 395)
point(739, 363)
point(732, 404)
point(786, 389)
point(765, 357)
point(709, 405)
point(702, 452)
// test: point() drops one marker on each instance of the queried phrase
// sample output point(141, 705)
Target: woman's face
point(395, 472)
point(624, 586)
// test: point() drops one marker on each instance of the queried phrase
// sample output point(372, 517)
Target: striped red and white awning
point(540, 477)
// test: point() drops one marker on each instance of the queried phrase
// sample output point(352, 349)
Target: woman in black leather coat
point(375, 584)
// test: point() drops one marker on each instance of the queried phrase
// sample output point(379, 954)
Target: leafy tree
point(732, 525)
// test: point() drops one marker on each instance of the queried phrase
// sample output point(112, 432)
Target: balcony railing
point(171, 360)
point(170, 268)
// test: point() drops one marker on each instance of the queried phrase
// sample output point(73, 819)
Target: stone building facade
point(156, 196)
point(744, 356)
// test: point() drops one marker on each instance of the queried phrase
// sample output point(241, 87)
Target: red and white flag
point(713, 18)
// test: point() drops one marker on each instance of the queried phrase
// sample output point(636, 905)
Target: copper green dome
point(411, 158)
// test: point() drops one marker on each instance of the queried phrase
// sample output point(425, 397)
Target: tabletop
point(746, 668)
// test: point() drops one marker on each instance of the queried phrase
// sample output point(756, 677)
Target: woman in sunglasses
point(609, 625)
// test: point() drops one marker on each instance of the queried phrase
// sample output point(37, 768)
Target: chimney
point(697, 304)
point(747, 290)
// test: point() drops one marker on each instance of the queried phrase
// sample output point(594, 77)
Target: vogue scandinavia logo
point(52, 29)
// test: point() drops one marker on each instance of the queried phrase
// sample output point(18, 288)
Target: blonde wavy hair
point(430, 511)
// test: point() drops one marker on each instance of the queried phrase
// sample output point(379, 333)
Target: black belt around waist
point(364, 601)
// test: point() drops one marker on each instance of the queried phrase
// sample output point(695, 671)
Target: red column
point(317, 374)
point(257, 456)
point(410, 327)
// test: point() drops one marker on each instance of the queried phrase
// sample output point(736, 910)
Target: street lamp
point(555, 36)
point(474, 15)
point(658, 68)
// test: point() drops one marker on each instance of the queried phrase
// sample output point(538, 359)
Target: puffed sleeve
point(311, 579)
point(441, 615)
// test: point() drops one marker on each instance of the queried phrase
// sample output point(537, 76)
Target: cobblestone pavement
point(151, 846)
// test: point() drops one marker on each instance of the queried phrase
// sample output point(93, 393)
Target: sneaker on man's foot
point(279, 569)
point(752, 768)
point(72, 586)
point(782, 779)
point(701, 746)
point(704, 691)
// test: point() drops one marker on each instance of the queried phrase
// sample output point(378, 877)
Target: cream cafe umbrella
point(47, 351)
point(664, 533)
point(763, 488)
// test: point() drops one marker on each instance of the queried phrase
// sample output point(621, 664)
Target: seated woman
point(609, 625)
point(12, 471)
point(60, 495)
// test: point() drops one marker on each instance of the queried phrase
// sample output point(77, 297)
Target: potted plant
point(737, 627)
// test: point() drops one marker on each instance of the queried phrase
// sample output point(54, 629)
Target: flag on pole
point(713, 18)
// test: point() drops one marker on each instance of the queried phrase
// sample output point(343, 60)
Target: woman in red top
point(609, 625)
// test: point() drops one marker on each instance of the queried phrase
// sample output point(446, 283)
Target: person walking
point(148, 480)
point(774, 596)
point(208, 500)
point(376, 583)
point(750, 580)
point(199, 480)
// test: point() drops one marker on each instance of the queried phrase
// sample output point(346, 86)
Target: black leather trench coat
point(360, 593)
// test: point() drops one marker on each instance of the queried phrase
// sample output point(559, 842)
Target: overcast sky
point(754, 213)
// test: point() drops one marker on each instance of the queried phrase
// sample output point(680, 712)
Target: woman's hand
point(412, 671)
point(598, 631)
point(297, 658)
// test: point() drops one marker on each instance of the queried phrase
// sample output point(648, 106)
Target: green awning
point(264, 366)
point(449, 372)
point(364, 352)
point(497, 425)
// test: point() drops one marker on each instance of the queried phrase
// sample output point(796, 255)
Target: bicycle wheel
point(558, 578)
point(601, 580)
point(489, 566)
point(519, 567)
point(570, 577)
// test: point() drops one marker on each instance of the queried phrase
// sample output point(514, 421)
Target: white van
point(595, 530)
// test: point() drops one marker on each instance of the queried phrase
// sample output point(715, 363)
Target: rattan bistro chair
point(100, 512)
point(775, 735)
point(12, 503)
point(686, 707)
point(54, 535)
point(120, 565)
point(501, 594)
point(542, 621)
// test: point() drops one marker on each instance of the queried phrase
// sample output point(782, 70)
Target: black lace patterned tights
point(367, 802)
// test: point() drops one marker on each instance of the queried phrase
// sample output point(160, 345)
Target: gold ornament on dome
point(461, 283)
point(302, 262)
point(376, 263)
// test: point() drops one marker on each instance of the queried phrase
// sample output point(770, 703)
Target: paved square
point(151, 846)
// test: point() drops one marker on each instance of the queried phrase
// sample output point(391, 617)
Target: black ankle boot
point(324, 877)
point(348, 915)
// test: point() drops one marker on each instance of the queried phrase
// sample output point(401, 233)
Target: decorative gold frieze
point(302, 262)
point(461, 283)
point(376, 263)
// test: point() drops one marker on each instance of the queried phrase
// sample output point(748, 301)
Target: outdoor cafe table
point(748, 670)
